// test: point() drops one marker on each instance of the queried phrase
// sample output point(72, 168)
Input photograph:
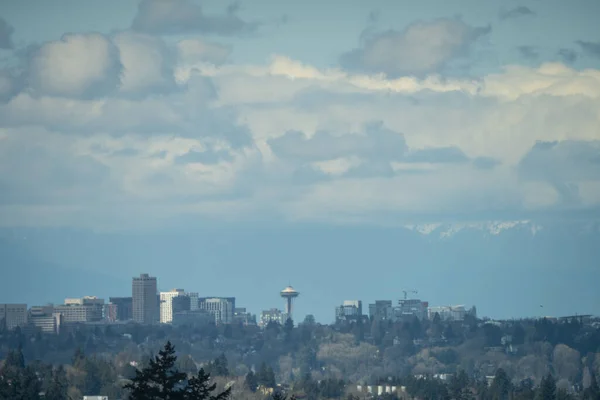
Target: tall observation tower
point(289, 294)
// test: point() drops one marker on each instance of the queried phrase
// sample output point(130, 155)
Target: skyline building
point(85, 309)
point(13, 315)
point(220, 307)
point(166, 305)
point(350, 310)
point(145, 299)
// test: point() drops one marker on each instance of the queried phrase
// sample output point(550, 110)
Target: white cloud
point(221, 144)
point(194, 51)
point(78, 65)
point(148, 63)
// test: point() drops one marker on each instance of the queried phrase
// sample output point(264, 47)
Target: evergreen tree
point(251, 381)
point(57, 388)
point(547, 388)
point(593, 391)
point(501, 386)
point(160, 380)
point(200, 388)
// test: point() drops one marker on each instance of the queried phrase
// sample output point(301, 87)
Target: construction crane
point(408, 291)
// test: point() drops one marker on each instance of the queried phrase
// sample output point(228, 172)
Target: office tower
point(145, 299)
point(272, 315)
point(220, 307)
point(124, 311)
point(45, 319)
point(382, 310)
point(166, 305)
point(350, 310)
point(13, 315)
point(86, 309)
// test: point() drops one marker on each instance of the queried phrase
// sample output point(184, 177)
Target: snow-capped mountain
point(494, 228)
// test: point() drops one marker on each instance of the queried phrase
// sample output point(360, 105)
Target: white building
point(448, 313)
point(349, 310)
point(166, 305)
point(45, 319)
point(220, 307)
point(13, 315)
point(85, 309)
point(274, 315)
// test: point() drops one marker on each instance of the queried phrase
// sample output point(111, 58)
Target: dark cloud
point(590, 48)
point(567, 55)
point(422, 48)
point(529, 52)
point(174, 17)
point(6, 31)
point(376, 143)
point(485, 162)
point(204, 157)
point(516, 13)
point(437, 155)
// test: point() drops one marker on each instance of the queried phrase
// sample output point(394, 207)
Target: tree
point(251, 381)
point(547, 389)
point(160, 380)
point(200, 388)
point(501, 386)
point(58, 386)
point(219, 367)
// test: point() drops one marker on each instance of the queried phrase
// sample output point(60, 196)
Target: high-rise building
point(86, 309)
point(220, 307)
point(166, 305)
point(272, 315)
point(350, 310)
point(242, 316)
point(381, 310)
point(408, 308)
point(145, 300)
point(45, 319)
point(124, 307)
point(13, 315)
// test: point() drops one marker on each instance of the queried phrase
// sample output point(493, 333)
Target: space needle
point(289, 294)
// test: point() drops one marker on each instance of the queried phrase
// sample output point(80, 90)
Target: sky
point(119, 115)
point(141, 116)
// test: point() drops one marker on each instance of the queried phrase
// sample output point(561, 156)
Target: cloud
point(485, 162)
point(565, 165)
point(569, 56)
point(175, 17)
point(529, 52)
point(437, 155)
point(38, 167)
point(516, 12)
point(148, 64)
point(204, 157)
point(590, 48)
point(193, 51)
point(6, 31)
point(78, 65)
point(376, 142)
point(423, 47)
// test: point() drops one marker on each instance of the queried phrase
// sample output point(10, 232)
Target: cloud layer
point(131, 128)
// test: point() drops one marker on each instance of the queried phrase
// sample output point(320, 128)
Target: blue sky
point(161, 115)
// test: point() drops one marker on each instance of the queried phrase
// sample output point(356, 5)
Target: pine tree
point(547, 389)
point(200, 388)
point(57, 389)
point(251, 381)
point(160, 380)
point(593, 391)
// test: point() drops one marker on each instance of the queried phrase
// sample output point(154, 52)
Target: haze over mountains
point(506, 268)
